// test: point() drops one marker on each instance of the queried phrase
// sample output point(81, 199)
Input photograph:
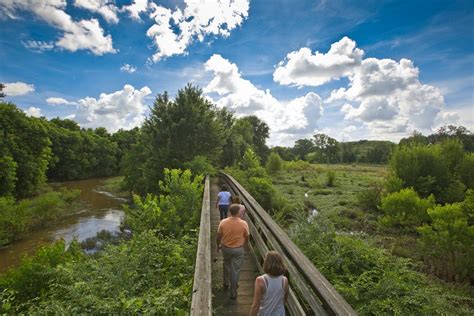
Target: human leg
point(226, 265)
point(235, 265)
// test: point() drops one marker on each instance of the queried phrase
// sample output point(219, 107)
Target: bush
point(331, 176)
point(274, 163)
point(200, 165)
point(448, 242)
point(262, 190)
point(296, 165)
point(406, 209)
point(172, 214)
point(369, 199)
point(466, 170)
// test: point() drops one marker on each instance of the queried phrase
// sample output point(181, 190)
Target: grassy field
point(310, 189)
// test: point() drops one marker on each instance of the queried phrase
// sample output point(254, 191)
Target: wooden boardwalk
point(221, 303)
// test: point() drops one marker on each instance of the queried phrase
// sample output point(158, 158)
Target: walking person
point(232, 235)
point(242, 211)
point(271, 289)
point(224, 200)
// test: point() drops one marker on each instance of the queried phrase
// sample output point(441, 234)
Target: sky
point(350, 69)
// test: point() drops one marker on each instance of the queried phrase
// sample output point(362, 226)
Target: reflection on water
point(102, 211)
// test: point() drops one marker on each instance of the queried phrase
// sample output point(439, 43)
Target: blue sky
point(351, 69)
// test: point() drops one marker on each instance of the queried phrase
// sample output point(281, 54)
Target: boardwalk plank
point(222, 304)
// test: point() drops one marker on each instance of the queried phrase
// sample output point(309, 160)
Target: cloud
point(77, 35)
point(288, 120)
point(59, 101)
point(103, 7)
point(32, 111)
point(137, 7)
point(38, 46)
point(302, 68)
point(121, 109)
point(128, 68)
point(13, 89)
point(175, 30)
point(385, 95)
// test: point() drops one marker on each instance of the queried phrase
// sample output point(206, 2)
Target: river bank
point(94, 209)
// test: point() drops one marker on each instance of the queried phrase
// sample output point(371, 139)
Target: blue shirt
point(225, 198)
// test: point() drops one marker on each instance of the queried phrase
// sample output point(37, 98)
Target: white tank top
point(273, 301)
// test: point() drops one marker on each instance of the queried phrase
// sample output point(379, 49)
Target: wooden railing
point(310, 292)
point(202, 286)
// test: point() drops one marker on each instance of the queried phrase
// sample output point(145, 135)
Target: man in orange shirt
point(232, 235)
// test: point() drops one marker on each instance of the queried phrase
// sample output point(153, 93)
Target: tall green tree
point(261, 132)
point(175, 132)
point(303, 147)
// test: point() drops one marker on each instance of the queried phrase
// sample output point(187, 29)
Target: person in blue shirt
point(224, 200)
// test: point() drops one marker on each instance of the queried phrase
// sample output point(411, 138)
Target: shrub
point(466, 170)
point(262, 190)
point(406, 209)
point(448, 242)
point(274, 163)
point(172, 214)
point(369, 199)
point(331, 176)
point(200, 165)
point(296, 165)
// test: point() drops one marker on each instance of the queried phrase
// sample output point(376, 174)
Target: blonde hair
point(273, 264)
point(236, 199)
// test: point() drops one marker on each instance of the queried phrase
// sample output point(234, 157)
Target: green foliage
point(200, 165)
point(274, 163)
point(372, 280)
point(7, 175)
point(25, 140)
point(296, 165)
point(406, 209)
point(331, 176)
point(175, 212)
point(150, 274)
point(448, 240)
point(19, 218)
point(370, 198)
point(466, 170)
point(262, 190)
point(175, 132)
point(260, 133)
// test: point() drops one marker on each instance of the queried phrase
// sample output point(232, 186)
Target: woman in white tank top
point(271, 289)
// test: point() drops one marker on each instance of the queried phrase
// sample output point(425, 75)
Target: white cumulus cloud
point(120, 109)
point(136, 8)
point(106, 8)
point(77, 35)
point(128, 68)
point(33, 111)
point(13, 89)
point(175, 30)
point(288, 120)
point(303, 68)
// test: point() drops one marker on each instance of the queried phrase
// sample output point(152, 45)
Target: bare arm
point(219, 238)
point(257, 297)
point(217, 201)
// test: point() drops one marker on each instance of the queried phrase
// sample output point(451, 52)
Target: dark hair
point(273, 264)
point(234, 209)
point(236, 199)
point(224, 188)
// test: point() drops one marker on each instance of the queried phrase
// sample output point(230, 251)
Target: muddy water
point(101, 210)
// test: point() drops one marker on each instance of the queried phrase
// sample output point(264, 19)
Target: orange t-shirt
point(234, 232)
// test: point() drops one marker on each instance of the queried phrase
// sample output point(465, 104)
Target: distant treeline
point(323, 149)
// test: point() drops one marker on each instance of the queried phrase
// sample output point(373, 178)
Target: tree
point(285, 153)
point(259, 137)
point(303, 147)
point(26, 141)
point(327, 147)
point(2, 94)
point(174, 133)
point(274, 163)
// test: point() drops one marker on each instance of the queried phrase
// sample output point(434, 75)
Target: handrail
point(310, 292)
point(202, 287)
